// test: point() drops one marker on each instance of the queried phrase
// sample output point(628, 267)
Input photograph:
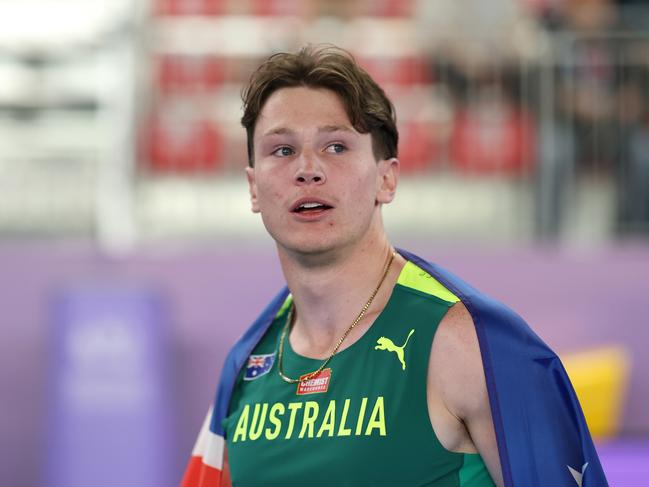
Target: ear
point(387, 180)
point(252, 187)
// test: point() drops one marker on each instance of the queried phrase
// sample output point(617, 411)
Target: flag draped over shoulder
point(540, 429)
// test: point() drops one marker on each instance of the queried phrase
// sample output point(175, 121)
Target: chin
point(313, 244)
point(308, 247)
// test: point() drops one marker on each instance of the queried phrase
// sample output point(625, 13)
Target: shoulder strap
point(208, 466)
point(540, 428)
point(238, 356)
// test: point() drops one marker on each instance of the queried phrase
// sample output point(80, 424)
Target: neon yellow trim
point(285, 306)
point(416, 278)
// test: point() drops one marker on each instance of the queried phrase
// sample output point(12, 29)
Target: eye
point(336, 148)
point(283, 151)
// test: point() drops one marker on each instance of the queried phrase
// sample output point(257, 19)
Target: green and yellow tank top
point(364, 420)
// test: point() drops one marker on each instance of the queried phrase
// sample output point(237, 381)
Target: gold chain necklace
point(289, 320)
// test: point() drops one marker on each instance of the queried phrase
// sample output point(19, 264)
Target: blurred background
point(130, 262)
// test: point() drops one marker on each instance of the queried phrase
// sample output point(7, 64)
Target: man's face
point(316, 182)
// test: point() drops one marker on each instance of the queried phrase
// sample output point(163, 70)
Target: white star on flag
point(577, 475)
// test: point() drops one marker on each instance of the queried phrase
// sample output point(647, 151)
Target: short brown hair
point(368, 108)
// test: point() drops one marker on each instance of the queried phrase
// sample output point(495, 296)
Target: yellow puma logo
point(384, 343)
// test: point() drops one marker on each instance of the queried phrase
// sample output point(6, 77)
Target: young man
point(377, 368)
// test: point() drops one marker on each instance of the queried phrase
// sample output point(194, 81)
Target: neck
point(330, 289)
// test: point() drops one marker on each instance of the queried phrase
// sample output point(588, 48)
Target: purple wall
point(573, 300)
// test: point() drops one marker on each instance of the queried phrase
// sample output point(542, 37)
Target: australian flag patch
point(259, 365)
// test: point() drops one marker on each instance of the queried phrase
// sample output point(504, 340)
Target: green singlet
point(364, 420)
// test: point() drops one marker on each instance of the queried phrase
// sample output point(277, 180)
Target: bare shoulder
point(458, 401)
point(455, 362)
point(457, 328)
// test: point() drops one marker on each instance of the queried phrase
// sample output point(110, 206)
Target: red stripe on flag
point(198, 474)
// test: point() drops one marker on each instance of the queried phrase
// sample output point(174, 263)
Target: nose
point(309, 170)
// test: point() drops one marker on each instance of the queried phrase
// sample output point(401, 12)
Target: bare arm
point(458, 402)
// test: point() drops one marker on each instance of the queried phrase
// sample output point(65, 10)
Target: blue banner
point(109, 414)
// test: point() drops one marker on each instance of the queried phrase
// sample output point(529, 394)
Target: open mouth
point(311, 207)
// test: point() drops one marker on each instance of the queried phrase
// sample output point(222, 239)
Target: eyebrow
point(335, 128)
point(278, 131)
point(323, 129)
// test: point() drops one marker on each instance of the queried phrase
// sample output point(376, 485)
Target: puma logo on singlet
point(384, 343)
